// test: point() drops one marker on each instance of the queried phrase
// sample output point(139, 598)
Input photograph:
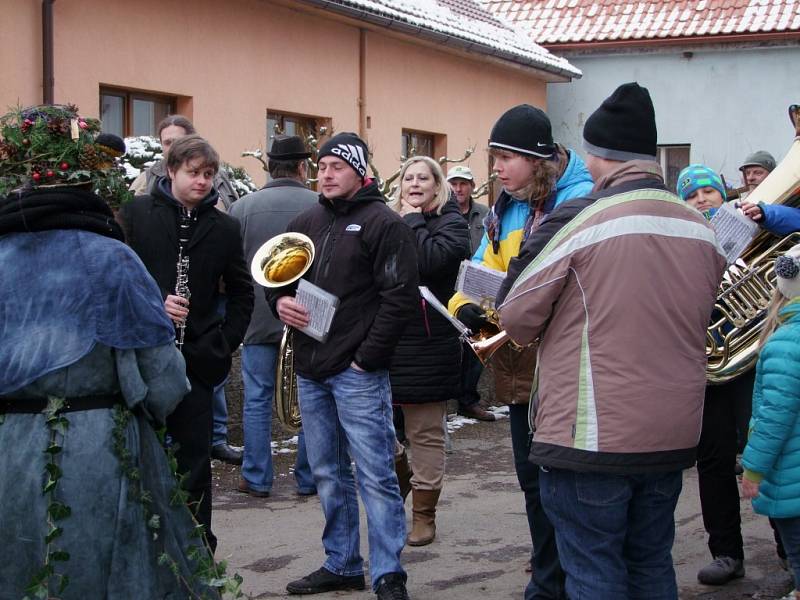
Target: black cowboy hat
point(288, 147)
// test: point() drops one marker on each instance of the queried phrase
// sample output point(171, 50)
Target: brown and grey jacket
point(620, 299)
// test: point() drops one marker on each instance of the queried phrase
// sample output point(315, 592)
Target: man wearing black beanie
point(365, 257)
point(537, 176)
point(619, 301)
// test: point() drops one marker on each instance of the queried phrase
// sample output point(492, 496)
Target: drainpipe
point(362, 84)
point(48, 77)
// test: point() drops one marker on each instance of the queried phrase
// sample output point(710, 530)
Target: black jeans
point(716, 460)
point(471, 369)
point(547, 579)
point(190, 428)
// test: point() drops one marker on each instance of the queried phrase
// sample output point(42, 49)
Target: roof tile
point(571, 21)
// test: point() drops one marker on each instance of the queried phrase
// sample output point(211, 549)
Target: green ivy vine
point(39, 585)
point(207, 572)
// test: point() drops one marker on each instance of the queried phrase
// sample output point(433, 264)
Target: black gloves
point(472, 316)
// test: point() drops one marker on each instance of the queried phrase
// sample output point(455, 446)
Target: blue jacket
point(780, 219)
point(772, 454)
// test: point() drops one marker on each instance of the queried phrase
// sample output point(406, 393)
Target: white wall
point(725, 103)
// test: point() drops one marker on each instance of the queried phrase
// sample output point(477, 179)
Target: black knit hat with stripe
point(624, 127)
point(523, 129)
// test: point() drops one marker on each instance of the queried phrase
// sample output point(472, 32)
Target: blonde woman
point(425, 368)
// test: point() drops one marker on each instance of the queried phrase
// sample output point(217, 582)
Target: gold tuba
point(748, 284)
point(280, 261)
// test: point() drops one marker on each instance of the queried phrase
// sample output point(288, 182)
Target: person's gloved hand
point(472, 316)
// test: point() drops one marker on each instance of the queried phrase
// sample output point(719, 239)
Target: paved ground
point(482, 543)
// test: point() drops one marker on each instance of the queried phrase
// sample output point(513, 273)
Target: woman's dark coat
point(425, 366)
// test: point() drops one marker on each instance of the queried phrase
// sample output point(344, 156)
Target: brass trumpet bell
point(283, 259)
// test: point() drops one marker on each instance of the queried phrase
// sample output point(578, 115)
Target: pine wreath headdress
point(53, 146)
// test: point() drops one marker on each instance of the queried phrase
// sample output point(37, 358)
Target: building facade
point(432, 75)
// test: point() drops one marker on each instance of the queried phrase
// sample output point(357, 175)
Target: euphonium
point(282, 260)
point(748, 284)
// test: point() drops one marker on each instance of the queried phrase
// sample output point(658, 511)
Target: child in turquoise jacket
point(772, 456)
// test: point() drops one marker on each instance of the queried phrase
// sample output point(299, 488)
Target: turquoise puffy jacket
point(773, 448)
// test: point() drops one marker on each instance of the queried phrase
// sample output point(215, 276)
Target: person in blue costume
point(88, 372)
point(772, 455)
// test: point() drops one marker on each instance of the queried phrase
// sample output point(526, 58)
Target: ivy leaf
point(59, 555)
point(53, 449)
point(163, 559)
point(53, 534)
point(58, 511)
point(154, 522)
point(54, 403)
point(64, 583)
point(54, 470)
point(49, 486)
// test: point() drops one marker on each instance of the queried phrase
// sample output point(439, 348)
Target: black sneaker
point(392, 587)
point(323, 580)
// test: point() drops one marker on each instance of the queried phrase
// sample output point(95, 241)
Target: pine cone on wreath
point(89, 159)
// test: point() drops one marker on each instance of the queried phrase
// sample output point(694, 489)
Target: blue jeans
point(350, 414)
point(789, 530)
point(547, 577)
point(614, 532)
point(258, 377)
point(220, 411)
point(302, 470)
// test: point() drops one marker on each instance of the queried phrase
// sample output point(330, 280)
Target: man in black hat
point(263, 215)
point(619, 301)
point(365, 257)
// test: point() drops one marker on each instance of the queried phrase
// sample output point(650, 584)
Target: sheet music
point(480, 283)
point(426, 293)
point(734, 230)
point(321, 306)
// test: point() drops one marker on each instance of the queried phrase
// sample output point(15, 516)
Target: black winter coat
point(215, 252)
point(365, 257)
point(426, 362)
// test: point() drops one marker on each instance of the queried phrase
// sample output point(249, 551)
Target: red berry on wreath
point(36, 176)
point(50, 173)
point(63, 166)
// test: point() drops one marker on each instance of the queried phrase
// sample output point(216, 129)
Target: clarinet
point(182, 289)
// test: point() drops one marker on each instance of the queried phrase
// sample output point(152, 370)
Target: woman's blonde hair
point(438, 176)
point(772, 320)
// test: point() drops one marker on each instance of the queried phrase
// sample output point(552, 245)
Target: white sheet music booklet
point(478, 282)
point(321, 307)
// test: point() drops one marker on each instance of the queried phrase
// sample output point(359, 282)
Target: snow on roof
point(552, 22)
point(464, 23)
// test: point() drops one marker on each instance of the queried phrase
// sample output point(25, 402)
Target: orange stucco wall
point(234, 60)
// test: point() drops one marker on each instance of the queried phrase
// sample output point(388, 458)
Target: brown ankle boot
point(404, 473)
point(423, 528)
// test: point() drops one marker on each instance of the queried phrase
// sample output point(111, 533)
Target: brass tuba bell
point(732, 339)
point(280, 261)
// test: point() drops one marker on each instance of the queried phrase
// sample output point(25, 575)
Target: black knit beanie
point(624, 127)
point(350, 148)
point(524, 129)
